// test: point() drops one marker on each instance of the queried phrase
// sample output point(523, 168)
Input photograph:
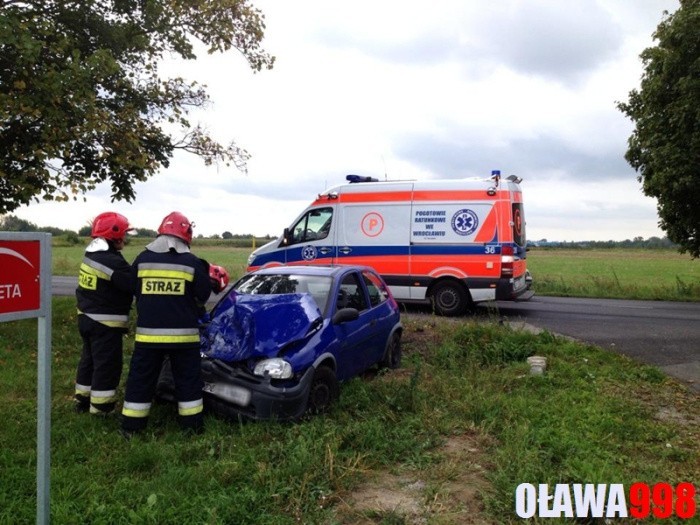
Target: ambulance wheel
point(449, 299)
point(324, 390)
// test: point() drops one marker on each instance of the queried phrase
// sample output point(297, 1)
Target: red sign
point(20, 269)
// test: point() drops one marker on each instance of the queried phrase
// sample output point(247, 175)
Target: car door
point(382, 311)
point(357, 339)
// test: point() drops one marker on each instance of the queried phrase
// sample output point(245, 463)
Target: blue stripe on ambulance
point(296, 254)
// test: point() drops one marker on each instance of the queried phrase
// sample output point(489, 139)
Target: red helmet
point(175, 223)
point(218, 276)
point(110, 225)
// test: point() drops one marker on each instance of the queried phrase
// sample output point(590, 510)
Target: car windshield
point(318, 286)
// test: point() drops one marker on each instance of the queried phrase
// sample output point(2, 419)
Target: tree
point(82, 100)
point(12, 223)
point(664, 147)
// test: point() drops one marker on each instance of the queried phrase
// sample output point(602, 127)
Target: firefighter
point(104, 299)
point(171, 286)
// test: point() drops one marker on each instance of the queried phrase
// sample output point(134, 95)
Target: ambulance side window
point(314, 225)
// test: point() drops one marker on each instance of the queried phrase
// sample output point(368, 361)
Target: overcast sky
point(402, 89)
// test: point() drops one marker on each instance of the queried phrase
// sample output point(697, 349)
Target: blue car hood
point(245, 326)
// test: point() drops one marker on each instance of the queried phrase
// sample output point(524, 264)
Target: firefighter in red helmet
point(104, 297)
point(171, 286)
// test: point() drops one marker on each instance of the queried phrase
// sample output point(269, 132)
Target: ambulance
point(452, 243)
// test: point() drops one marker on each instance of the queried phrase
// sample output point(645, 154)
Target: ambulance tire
point(449, 298)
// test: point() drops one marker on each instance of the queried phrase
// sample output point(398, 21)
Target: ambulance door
point(311, 238)
point(374, 230)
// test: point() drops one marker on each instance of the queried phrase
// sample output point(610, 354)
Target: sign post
point(25, 292)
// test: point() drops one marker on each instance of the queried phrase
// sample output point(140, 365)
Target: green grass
point(615, 273)
point(594, 417)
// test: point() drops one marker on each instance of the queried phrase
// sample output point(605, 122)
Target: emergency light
point(359, 178)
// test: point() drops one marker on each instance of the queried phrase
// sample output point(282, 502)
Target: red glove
point(219, 278)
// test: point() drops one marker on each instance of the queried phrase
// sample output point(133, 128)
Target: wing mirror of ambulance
point(285, 236)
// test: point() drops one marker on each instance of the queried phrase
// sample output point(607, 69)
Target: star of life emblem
point(308, 253)
point(465, 222)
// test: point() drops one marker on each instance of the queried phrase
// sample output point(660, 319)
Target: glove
point(219, 278)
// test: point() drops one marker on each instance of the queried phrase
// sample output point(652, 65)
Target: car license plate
point(233, 394)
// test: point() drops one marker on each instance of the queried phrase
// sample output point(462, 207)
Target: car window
point(375, 288)
point(351, 294)
point(314, 225)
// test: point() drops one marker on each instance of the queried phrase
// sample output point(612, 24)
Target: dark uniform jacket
point(171, 288)
point(104, 291)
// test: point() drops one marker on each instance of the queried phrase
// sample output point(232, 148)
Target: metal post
point(43, 443)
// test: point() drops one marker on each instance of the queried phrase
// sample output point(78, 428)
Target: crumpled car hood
point(245, 326)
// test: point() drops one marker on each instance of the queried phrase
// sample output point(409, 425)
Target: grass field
point(443, 440)
point(615, 273)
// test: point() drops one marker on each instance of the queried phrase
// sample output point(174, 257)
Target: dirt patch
point(450, 490)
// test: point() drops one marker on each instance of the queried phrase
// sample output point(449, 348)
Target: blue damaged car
point(280, 342)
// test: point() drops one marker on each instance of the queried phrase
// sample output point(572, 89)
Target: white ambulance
point(450, 242)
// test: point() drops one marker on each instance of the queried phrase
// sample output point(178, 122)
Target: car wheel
point(324, 390)
point(449, 299)
point(392, 356)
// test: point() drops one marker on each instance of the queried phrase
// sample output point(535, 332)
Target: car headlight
point(251, 258)
point(274, 368)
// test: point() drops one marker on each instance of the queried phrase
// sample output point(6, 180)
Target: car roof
point(330, 271)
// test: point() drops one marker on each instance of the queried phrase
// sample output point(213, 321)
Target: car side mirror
point(285, 236)
point(345, 315)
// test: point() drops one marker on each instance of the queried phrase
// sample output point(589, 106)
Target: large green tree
point(665, 145)
point(82, 100)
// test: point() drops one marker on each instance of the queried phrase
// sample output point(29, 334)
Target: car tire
point(449, 299)
point(324, 390)
point(392, 355)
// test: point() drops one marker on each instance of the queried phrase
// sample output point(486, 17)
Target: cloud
point(561, 41)
point(466, 157)
point(410, 90)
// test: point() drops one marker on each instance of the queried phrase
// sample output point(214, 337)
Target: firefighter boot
point(82, 403)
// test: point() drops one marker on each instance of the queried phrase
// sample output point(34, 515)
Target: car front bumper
point(236, 394)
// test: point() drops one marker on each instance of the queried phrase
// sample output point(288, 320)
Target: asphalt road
point(660, 333)
point(663, 334)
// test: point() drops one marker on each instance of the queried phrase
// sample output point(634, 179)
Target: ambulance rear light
point(507, 260)
point(359, 178)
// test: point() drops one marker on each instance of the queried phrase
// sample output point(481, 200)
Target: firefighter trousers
point(100, 366)
point(146, 364)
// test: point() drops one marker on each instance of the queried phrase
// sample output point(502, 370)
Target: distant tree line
point(11, 223)
point(637, 242)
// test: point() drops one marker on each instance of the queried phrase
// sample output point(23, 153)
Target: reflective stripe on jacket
point(167, 335)
point(104, 291)
point(171, 288)
point(113, 321)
